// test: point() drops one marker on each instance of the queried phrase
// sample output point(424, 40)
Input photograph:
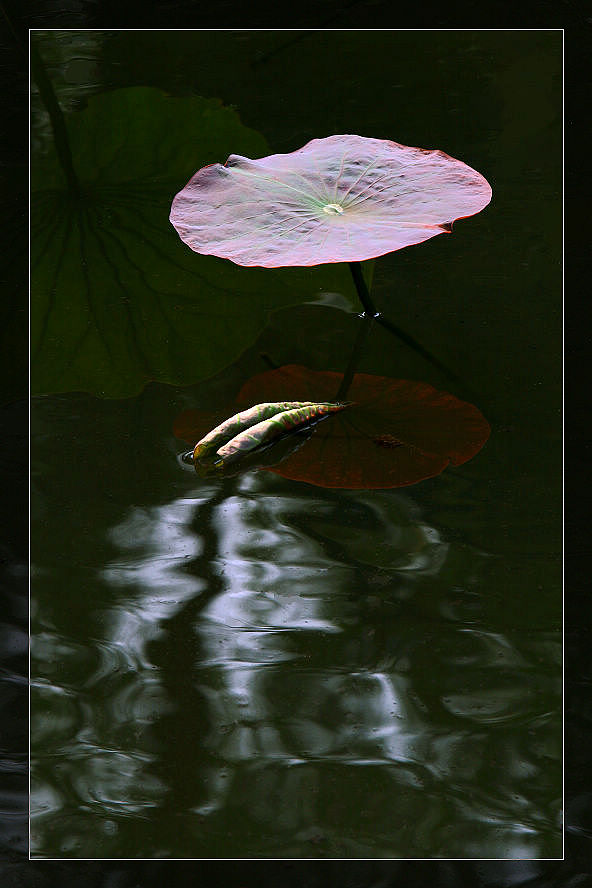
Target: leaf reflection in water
point(259, 662)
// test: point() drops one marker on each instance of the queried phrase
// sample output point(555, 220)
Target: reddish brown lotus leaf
point(396, 433)
point(191, 425)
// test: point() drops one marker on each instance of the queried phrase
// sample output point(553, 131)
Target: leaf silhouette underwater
point(393, 433)
point(117, 300)
point(344, 198)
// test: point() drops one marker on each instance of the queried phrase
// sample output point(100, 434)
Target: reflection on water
point(291, 672)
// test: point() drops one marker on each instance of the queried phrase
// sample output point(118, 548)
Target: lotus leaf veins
point(339, 199)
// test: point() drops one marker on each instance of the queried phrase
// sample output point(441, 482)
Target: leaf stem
point(56, 117)
point(370, 310)
point(363, 294)
point(348, 375)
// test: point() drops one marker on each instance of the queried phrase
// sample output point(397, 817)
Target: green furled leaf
point(117, 299)
point(239, 422)
point(250, 430)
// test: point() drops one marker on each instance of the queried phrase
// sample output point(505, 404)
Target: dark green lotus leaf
point(116, 299)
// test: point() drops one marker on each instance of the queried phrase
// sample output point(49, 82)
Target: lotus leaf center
point(333, 209)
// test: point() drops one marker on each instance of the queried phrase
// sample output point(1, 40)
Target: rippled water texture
point(256, 667)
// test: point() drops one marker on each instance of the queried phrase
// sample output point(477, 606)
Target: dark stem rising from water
point(363, 293)
point(371, 312)
point(363, 331)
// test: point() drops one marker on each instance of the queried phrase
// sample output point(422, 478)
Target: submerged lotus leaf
point(340, 199)
point(116, 298)
point(395, 432)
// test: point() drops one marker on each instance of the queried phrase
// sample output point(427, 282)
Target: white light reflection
point(157, 542)
point(268, 703)
point(278, 584)
point(114, 772)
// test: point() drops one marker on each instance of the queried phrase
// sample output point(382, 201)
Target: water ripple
point(280, 664)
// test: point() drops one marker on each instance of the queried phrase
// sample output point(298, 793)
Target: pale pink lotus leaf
point(340, 199)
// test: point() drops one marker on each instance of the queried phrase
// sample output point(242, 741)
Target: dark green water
point(256, 667)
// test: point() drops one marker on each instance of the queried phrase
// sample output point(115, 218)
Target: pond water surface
point(254, 667)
